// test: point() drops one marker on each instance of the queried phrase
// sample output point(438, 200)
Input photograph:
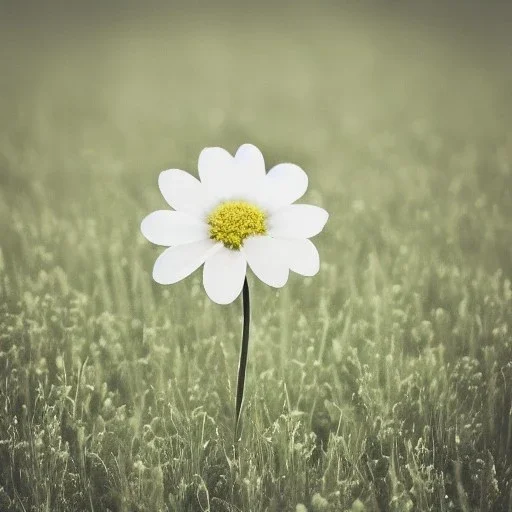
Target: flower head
point(236, 214)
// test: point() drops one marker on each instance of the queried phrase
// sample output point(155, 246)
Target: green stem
point(242, 365)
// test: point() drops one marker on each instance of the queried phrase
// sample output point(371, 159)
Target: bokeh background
point(384, 383)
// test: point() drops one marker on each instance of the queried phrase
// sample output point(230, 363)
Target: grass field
point(382, 384)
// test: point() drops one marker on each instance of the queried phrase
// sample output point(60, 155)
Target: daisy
point(236, 215)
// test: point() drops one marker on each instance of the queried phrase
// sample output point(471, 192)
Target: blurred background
point(365, 96)
point(381, 384)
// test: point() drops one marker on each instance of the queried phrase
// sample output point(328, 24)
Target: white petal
point(267, 259)
point(297, 221)
point(250, 174)
point(165, 227)
point(224, 274)
point(176, 263)
point(184, 192)
point(284, 184)
point(216, 170)
point(250, 162)
point(302, 256)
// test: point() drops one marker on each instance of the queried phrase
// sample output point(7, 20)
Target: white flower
point(236, 215)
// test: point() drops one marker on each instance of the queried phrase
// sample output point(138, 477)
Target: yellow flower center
point(233, 221)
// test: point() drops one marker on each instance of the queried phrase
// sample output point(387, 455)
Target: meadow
point(384, 383)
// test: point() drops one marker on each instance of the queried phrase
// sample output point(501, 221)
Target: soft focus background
point(382, 384)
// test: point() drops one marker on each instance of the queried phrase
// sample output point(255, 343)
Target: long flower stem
point(242, 364)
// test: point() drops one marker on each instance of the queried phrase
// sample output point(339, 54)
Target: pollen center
point(233, 221)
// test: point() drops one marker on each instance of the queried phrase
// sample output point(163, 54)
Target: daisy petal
point(284, 184)
point(302, 256)
point(223, 275)
point(297, 221)
point(250, 162)
point(267, 259)
point(165, 227)
point(176, 263)
point(183, 192)
point(216, 171)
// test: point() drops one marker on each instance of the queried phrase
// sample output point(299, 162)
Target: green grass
point(383, 383)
